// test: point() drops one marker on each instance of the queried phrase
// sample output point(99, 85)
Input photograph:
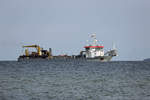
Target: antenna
point(93, 35)
point(87, 41)
point(94, 38)
point(114, 46)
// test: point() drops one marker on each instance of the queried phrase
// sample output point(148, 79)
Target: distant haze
point(65, 25)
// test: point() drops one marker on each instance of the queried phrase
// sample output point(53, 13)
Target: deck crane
point(38, 48)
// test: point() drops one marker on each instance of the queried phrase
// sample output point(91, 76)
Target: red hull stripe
point(94, 47)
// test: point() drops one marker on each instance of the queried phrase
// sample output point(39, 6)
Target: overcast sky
point(64, 25)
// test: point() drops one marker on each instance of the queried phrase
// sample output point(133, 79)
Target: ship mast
point(93, 36)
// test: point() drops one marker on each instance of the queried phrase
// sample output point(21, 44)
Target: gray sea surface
point(74, 80)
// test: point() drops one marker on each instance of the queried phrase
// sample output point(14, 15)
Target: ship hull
point(101, 59)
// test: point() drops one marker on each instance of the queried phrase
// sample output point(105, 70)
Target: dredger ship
point(93, 51)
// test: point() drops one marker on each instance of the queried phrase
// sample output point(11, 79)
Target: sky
point(65, 25)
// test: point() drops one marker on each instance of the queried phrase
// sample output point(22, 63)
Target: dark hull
point(101, 59)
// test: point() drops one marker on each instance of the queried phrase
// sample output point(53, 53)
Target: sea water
point(74, 80)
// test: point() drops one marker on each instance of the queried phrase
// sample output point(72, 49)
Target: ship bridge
point(94, 50)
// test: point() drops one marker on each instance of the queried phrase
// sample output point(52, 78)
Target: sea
point(74, 80)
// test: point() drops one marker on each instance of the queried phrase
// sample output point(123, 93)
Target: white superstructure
point(94, 50)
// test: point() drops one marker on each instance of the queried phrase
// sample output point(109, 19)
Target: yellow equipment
point(33, 46)
point(26, 52)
